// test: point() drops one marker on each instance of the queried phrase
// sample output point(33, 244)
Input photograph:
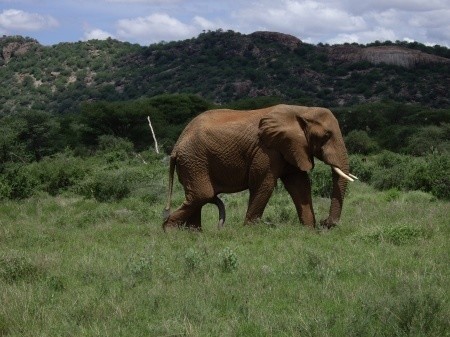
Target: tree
point(358, 141)
point(430, 139)
point(40, 133)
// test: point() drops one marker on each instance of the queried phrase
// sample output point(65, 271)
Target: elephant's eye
point(327, 135)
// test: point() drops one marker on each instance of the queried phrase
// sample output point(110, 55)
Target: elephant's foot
point(169, 225)
point(252, 221)
point(328, 223)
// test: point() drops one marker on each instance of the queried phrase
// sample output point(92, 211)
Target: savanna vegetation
point(82, 251)
point(85, 255)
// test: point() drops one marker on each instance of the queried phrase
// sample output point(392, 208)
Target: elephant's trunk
point(337, 200)
point(341, 177)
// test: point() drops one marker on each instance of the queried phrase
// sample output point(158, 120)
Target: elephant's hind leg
point(188, 214)
point(182, 215)
point(195, 220)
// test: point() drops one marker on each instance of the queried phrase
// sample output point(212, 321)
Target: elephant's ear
point(284, 131)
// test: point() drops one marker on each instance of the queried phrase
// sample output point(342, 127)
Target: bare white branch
point(153, 134)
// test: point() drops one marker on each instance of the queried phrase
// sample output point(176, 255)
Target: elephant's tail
point(173, 162)
point(219, 203)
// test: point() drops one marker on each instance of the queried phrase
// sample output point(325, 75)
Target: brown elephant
point(226, 151)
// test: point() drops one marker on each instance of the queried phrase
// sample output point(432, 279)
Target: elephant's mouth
point(349, 177)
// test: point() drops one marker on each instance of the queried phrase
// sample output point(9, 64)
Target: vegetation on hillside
point(219, 66)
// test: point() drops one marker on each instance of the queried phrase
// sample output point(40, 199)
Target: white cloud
point(15, 19)
point(301, 18)
point(155, 28)
point(150, 21)
point(205, 24)
point(96, 34)
point(357, 6)
point(143, 1)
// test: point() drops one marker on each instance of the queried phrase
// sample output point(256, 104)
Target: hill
point(221, 67)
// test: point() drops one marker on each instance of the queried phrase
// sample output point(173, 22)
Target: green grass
point(71, 266)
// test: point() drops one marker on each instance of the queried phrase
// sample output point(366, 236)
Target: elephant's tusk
point(342, 174)
point(353, 176)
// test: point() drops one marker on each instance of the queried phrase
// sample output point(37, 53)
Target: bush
point(120, 181)
point(17, 182)
point(361, 167)
point(428, 174)
point(387, 159)
point(321, 180)
point(439, 175)
point(193, 260)
point(112, 143)
point(58, 173)
point(396, 234)
point(359, 142)
point(430, 139)
point(228, 260)
point(106, 186)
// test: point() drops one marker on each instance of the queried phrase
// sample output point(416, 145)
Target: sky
point(151, 21)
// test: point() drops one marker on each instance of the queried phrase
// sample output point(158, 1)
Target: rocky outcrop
point(392, 55)
point(14, 49)
point(284, 39)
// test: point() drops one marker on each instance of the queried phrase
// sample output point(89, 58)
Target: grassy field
point(71, 266)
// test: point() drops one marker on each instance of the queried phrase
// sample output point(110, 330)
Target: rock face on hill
point(15, 48)
point(284, 39)
point(392, 55)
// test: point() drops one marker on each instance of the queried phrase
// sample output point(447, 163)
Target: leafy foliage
point(389, 170)
point(221, 66)
point(359, 142)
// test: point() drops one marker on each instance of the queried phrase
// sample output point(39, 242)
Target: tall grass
point(71, 265)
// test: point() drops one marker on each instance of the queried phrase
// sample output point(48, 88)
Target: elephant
point(227, 151)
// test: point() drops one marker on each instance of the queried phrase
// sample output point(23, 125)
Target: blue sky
point(152, 21)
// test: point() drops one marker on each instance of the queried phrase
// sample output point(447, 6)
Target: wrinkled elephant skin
point(227, 151)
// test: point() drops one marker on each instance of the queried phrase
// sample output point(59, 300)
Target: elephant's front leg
point(299, 187)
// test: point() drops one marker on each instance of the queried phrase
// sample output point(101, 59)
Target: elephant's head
point(301, 133)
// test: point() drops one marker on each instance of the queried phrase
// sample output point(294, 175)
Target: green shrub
point(430, 139)
point(396, 234)
point(416, 175)
point(321, 180)
point(228, 260)
point(56, 283)
point(17, 182)
point(193, 260)
point(392, 194)
point(387, 159)
point(140, 266)
point(106, 186)
point(58, 173)
point(361, 167)
point(439, 175)
point(359, 142)
point(115, 148)
point(402, 310)
point(384, 179)
point(5, 188)
point(428, 174)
